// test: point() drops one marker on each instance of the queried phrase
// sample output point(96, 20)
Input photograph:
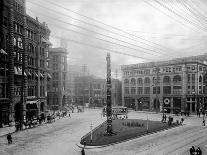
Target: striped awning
point(3, 52)
point(41, 75)
point(49, 76)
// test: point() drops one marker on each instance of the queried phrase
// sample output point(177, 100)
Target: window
point(166, 79)
point(154, 90)
point(133, 81)
point(147, 80)
point(139, 90)
point(177, 90)
point(147, 90)
point(15, 42)
point(126, 82)
point(20, 45)
point(133, 90)
point(193, 78)
point(55, 57)
point(177, 79)
point(188, 78)
point(200, 78)
point(166, 89)
point(139, 81)
point(126, 90)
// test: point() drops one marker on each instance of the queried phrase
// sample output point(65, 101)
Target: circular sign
point(166, 100)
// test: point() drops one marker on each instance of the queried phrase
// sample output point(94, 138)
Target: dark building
point(23, 74)
point(57, 87)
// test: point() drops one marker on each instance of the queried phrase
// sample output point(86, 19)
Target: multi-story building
point(57, 87)
point(92, 90)
point(22, 75)
point(175, 85)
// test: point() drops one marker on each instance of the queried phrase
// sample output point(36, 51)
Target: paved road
point(60, 138)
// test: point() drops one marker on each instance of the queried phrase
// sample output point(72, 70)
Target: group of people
point(194, 151)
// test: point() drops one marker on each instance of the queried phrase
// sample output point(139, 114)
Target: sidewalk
point(5, 130)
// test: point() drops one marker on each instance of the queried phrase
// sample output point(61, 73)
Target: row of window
point(18, 7)
point(18, 28)
point(166, 90)
point(18, 42)
point(166, 79)
point(164, 70)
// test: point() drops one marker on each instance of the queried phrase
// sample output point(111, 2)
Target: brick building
point(175, 85)
point(23, 74)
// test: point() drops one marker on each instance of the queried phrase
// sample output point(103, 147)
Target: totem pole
point(108, 99)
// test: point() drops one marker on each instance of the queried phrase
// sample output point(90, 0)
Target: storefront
point(31, 109)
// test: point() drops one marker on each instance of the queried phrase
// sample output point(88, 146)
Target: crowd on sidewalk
point(33, 122)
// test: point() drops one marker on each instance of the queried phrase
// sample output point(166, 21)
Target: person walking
point(9, 138)
point(69, 114)
point(204, 122)
point(198, 151)
point(192, 150)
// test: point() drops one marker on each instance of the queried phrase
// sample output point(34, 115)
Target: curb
point(139, 136)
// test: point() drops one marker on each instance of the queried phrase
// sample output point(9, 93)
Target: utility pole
point(108, 104)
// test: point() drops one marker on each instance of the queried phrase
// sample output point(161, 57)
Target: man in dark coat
point(192, 150)
point(9, 138)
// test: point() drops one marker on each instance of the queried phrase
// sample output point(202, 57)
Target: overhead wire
point(98, 34)
point(181, 9)
point(184, 18)
point(115, 28)
point(98, 47)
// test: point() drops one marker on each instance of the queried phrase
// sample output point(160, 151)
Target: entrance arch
point(17, 109)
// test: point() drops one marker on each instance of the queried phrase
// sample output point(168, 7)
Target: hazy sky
point(150, 29)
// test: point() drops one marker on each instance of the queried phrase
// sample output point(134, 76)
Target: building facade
point(22, 40)
point(58, 86)
point(174, 86)
point(92, 91)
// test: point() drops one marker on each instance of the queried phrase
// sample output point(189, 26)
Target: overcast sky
point(134, 31)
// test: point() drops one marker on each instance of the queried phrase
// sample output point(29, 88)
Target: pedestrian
point(69, 114)
point(198, 151)
point(204, 122)
point(9, 138)
point(182, 120)
point(82, 151)
point(192, 150)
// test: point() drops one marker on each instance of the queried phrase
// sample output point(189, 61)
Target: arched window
point(147, 80)
point(177, 79)
point(133, 81)
point(166, 79)
point(140, 81)
point(126, 81)
point(20, 45)
point(15, 42)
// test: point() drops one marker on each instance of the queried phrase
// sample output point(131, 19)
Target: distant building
point(58, 85)
point(23, 45)
point(175, 85)
point(92, 91)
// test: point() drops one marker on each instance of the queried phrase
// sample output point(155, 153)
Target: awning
point(31, 102)
point(49, 76)
point(42, 76)
point(16, 71)
point(3, 52)
point(46, 41)
point(36, 75)
point(20, 72)
point(28, 73)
